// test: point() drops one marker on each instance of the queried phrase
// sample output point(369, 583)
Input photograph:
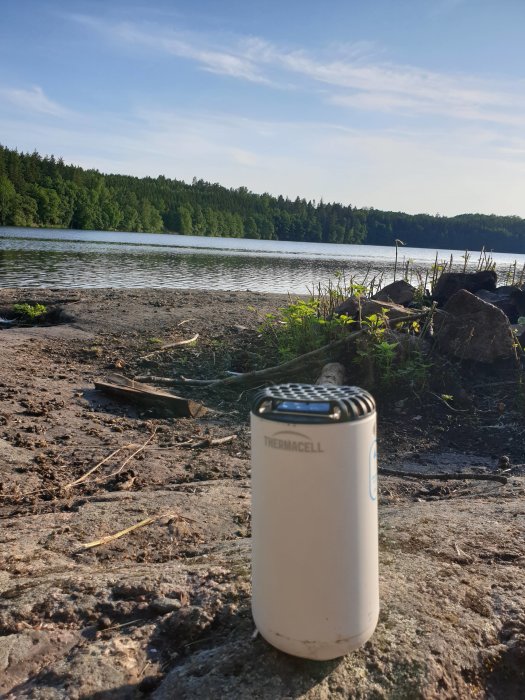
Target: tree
point(185, 222)
point(7, 201)
point(26, 211)
point(250, 229)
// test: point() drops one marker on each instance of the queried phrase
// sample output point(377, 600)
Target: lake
point(67, 258)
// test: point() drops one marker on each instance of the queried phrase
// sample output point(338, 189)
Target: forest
point(43, 191)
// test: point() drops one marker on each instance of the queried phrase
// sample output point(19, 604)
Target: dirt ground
point(164, 611)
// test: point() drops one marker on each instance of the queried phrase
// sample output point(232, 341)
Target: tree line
point(43, 191)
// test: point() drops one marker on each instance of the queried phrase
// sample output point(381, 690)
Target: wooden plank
point(144, 394)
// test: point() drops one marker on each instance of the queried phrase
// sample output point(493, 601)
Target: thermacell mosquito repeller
point(314, 518)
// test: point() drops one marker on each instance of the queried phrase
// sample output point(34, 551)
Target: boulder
point(451, 282)
point(517, 296)
point(348, 307)
point(399, 292)
point(472, 329)
point(511, 300)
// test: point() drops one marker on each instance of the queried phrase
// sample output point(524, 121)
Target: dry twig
point(439, 476)
point(206, 442)
point(83, 478)
point(128, 459)
point(170, 345)
point(132, 528)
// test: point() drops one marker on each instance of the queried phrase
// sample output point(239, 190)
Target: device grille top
point(355, 402)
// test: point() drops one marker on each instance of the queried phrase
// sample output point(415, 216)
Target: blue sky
point(406, 105)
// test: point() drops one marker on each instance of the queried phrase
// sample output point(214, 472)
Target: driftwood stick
point(443, 477)
point(332, 374)
point(58, 300)
point(295, 365)
point(170, 345)
point(127, 530)
point(121, 533)
point(209, 442)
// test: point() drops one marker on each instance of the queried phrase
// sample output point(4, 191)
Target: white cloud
point(33, 100)
point(211, 58)
point(352, 73)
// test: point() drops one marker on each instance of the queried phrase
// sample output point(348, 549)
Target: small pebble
point(104, 622)
point(163, 606)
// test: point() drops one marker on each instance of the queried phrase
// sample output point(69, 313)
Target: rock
point(517, 296)
point(451, 282)
point(472, 329)
point(511, 300)
point(186, 625)
point(348, 307)
point(163, 606)
point(399, 292)
point(503, 462)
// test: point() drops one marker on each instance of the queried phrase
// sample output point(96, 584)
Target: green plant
point(307, 324)
point(30, 312)
point(414, 370)
point(375, 352)
point(299, 328)
point(384, 355)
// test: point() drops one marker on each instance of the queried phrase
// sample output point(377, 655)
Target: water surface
point(68, 258)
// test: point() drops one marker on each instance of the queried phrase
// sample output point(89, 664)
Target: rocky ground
point(164, 611)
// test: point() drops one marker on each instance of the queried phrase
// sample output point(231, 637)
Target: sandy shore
point(165, 610)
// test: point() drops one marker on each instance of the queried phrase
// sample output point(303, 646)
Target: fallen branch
point(132, 528)
point(295, 365)
point(170, 345)
point(444, 477)
point(207, 442)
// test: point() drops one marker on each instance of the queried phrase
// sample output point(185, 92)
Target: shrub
point(382, 355)
point(29, 312)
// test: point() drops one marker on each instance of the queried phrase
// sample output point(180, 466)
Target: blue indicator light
point(304, 407)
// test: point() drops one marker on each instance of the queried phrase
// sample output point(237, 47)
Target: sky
point(401, 105)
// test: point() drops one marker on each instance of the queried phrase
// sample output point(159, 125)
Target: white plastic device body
point(314, 534)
